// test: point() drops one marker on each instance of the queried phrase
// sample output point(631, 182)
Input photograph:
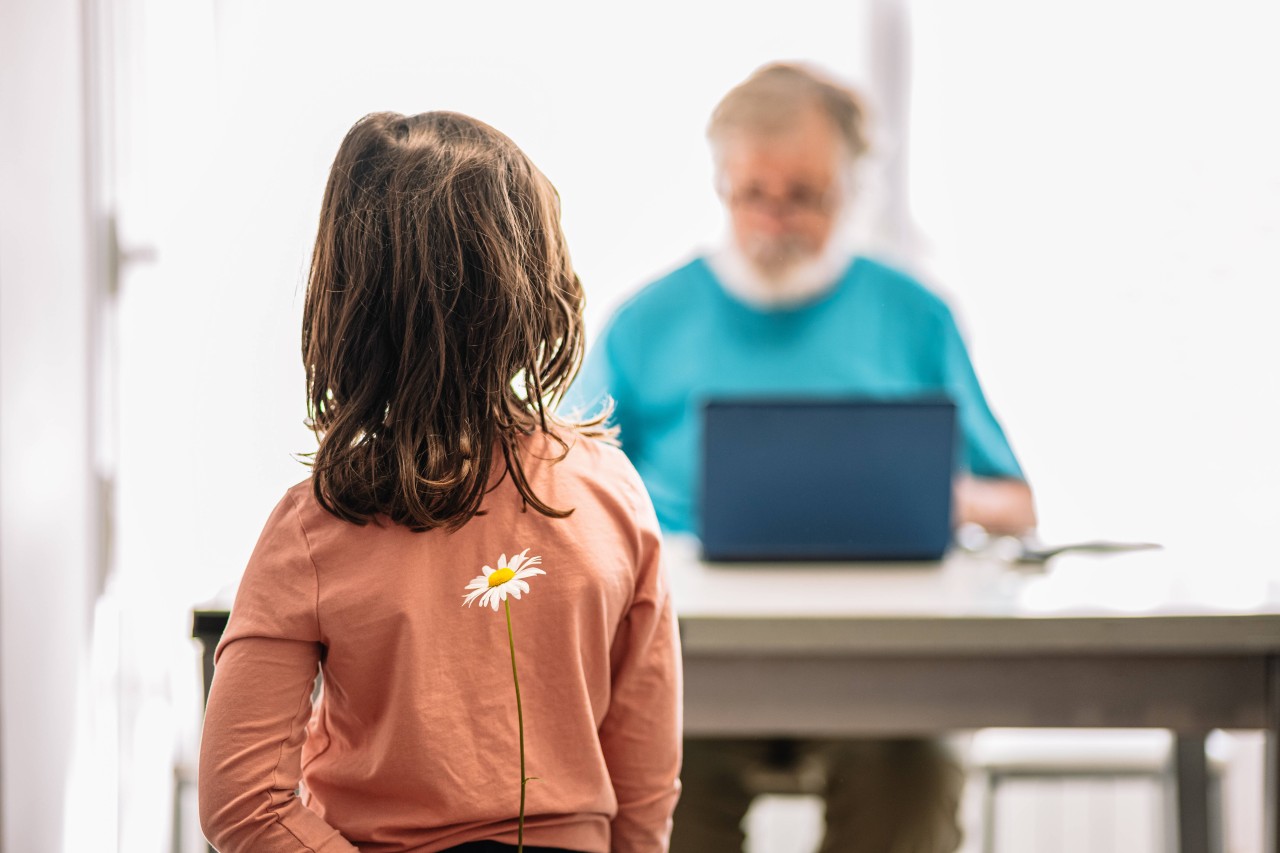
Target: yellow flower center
point(501, 576)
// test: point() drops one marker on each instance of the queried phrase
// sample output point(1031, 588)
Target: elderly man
point(786, 307)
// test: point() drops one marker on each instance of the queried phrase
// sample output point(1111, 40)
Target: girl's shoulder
point(580, 452)
point(590, 462)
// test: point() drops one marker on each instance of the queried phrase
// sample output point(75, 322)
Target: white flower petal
point(520, 565)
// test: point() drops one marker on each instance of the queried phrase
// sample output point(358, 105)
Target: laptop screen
point(829, 479)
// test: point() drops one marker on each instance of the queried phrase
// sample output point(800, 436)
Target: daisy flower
point(493, 586)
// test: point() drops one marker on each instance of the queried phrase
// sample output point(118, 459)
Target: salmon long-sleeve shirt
point(412, 743)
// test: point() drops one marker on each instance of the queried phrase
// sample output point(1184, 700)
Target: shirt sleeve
point(640, 735)
point(260, 702)
point(592, 389)
point(986, 451)
point(603, 383)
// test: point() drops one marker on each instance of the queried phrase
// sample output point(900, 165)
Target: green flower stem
point(520, 719)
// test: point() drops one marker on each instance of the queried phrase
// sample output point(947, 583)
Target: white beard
point(801, 281)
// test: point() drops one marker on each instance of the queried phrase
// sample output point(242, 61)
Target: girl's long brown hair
point(443, 320)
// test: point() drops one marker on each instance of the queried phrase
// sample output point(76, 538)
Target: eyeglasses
point(797, 200)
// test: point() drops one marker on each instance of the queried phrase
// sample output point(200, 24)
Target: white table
point(907, 649)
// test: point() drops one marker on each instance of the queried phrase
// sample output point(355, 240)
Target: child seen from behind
point(442, 324)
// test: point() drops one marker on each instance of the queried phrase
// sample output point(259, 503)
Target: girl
point(442, 324)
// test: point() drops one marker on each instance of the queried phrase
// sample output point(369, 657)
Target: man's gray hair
point(771, 99)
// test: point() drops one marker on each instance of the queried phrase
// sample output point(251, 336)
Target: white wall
point(1100, 187)
point(47, 504)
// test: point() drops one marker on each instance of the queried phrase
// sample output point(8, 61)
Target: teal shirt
point(683, 340)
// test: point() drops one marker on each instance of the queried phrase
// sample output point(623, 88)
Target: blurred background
point(1092, 186)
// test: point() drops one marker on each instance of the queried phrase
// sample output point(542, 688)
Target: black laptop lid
point(838, 479)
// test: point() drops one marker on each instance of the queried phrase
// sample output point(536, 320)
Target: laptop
point(827, 479)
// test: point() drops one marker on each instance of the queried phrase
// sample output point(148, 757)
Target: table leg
point(1191, 769)
point(1271, 807)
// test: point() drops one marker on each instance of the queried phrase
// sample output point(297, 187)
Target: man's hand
point(1002, 506)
